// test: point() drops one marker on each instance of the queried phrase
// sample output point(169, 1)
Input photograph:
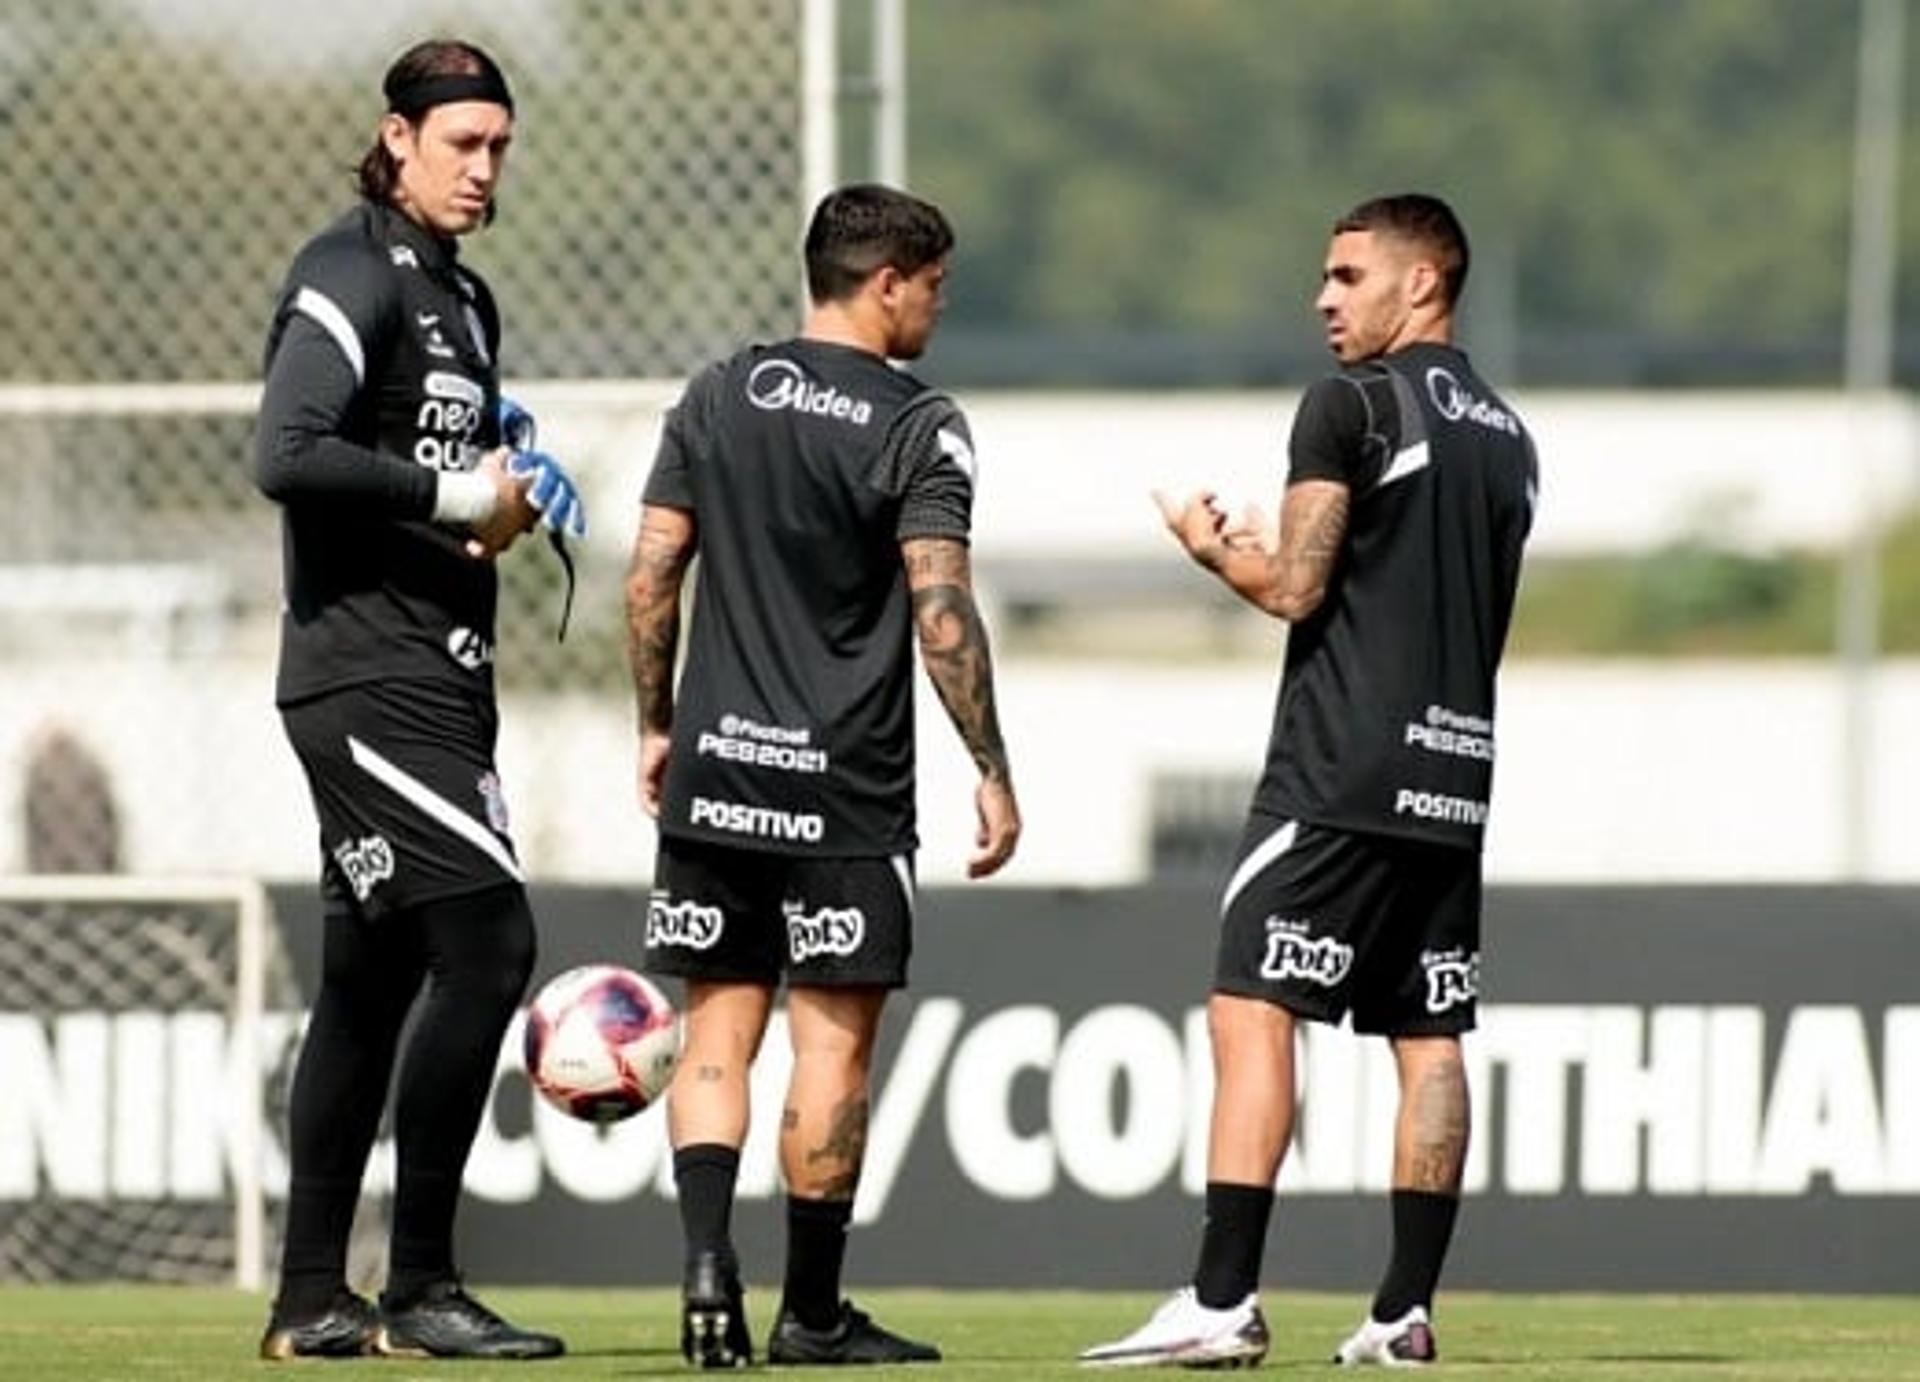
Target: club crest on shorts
point(1453, 978)
point(365, 863)
point(829, 931)
point(687, 925)
point(1293, 953)
point(496, 801)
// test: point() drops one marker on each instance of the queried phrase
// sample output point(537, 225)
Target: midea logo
point(779, 384)
point(1455, 403)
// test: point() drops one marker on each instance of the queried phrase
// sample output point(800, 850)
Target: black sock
point(1422, 1228)
point(705, 1174)
point(1232, 1243)
point(816, 1247)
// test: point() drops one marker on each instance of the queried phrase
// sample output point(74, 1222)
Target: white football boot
point(1185, 1332)
point(1405, 1343)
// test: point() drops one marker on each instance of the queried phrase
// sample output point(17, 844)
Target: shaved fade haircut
point(1422, 220)
point(859, 230)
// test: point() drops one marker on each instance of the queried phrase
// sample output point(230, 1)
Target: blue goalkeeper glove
point(517, 427)
point(552, 495)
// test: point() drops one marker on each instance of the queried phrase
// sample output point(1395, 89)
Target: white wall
point(1070, 474)
point(1608, 772)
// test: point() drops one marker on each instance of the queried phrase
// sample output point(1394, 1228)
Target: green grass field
point(163, 1333)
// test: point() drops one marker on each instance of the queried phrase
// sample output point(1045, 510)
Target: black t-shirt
point(1385, 714)
point(805, 464)
point(380, 373)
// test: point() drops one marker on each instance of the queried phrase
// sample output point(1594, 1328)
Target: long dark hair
point(411, 74)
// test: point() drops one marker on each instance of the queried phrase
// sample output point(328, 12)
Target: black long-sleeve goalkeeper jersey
point(380, 373)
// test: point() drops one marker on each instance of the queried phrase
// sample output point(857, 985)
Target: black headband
point(416, 98)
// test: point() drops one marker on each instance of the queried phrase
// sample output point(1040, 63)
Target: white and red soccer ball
point(601, 1042)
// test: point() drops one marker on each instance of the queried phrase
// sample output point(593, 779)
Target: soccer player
point(1409, 495)
point(378, 437)
point(829, 496)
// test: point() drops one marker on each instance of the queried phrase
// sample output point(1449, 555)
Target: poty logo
point(686, 924)
point(1455, 404)
point(1452, 979)
point(1293, 954)
point(780, 384)
point(366, 863)
point(829, 931)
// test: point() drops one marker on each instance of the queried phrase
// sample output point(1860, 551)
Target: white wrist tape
point(463, 497)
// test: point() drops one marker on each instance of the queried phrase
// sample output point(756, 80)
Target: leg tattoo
point(843, 1150)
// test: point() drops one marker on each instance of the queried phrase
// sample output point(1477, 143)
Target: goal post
point(136, 1017)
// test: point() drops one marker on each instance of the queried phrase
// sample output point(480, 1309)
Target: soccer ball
point(601, 1042)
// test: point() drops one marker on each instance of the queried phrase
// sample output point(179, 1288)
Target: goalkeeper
point(380, 438)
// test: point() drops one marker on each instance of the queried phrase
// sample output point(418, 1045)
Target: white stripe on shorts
point(903, 870)
point(435, 806)
point(1258, 858)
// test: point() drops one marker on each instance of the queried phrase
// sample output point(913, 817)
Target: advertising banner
point(1673, 1088)
point(1686, 1089)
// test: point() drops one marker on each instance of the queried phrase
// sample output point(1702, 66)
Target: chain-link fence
point(164, 159)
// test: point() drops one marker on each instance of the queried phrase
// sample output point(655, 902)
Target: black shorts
point(721, 914)
point(403, 781)
point(1320, 921)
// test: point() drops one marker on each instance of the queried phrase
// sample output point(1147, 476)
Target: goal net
point(146, 1035)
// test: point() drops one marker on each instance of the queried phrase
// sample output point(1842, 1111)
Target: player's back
point(797, 691)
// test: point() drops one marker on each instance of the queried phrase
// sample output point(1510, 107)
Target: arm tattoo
point(1306, 556)
point(953, 645)
point(1313, 528)
point(660, 558)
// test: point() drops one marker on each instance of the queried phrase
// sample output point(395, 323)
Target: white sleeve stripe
point(954, 447)
point(326, 312)
point(1405, 462)
point(435, 806)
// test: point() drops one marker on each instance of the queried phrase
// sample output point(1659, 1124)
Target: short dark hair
point(858, 230)
point(435, 57)
point(1428, 222)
